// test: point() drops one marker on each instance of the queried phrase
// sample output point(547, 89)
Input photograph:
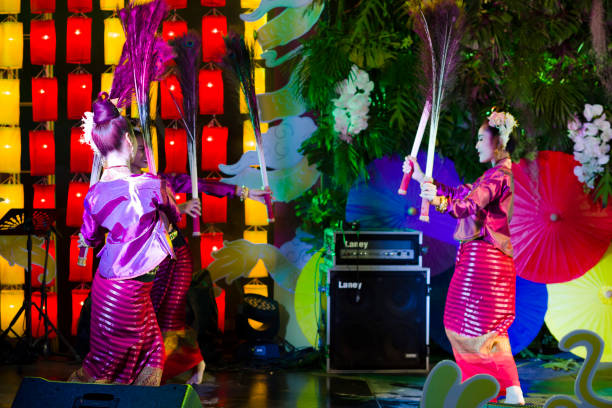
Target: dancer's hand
point(81, 242)
point(417, 174)
point(259, 195)
point(428, 191)
point(193, 208)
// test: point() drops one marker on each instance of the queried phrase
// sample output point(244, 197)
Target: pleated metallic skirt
point(481, 296)
point(169, 298)
point(126, 345)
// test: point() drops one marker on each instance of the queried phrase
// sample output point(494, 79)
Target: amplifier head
point(378, 248)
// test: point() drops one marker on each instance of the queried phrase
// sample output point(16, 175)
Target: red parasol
point(557, 231)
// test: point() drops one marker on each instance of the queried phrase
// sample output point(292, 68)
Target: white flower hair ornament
point(87, 124)
point(505, 123)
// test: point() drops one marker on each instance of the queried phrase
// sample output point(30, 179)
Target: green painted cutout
point(583, 387)
point(443, 388)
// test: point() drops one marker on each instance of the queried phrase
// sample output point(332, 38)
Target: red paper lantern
point(81, 155)
point(44, 99)
point(176, 150)
point(214, 28)
point(214, 147)
point(173, 29)
point(177, 4)
point(44, 195)
point(50, 309)
point(214, 209)
point(79, 6)
point(78, 299)
point(209, 243)
point(211, 92)
point(78, 273)
point(77, 191)
point(42, 42)
point(220, 301)
point(180, 199)
point(42, 153)
point(42, 6)
point(79, 95)
point(213, 3)
point(78, 40)
point(168, 107)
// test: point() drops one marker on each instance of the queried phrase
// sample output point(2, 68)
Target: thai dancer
point(172, 280)
point(134, 211)
point(481, 298)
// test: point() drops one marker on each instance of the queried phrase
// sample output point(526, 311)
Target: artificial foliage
point(541, 60)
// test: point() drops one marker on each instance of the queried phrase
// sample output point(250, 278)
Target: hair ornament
point(87, 124)
point(504, 122)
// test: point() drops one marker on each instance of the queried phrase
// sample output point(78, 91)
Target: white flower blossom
point(601, 123)
point(591, 143)
point(353, 104)
point(592, 111)
point(590, 129)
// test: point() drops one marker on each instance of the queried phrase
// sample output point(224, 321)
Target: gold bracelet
point(244, 193)
point(443, 206)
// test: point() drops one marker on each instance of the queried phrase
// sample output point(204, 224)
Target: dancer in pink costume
point(172, 280)
point(481, 299)
point(134, 211)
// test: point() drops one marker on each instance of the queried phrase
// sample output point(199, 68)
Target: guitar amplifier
point(377, 248)
point(378, 319)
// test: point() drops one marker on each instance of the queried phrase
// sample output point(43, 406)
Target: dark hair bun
point(103, 109)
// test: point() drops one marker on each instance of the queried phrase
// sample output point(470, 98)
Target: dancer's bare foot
point(198, 374)
point(514, 395)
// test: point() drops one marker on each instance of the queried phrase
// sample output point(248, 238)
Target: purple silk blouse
point(484, 209)
point(181, 183)
point(133, 212)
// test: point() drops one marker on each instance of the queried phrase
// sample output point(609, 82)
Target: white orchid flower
point(601, 123)
point(590, 129)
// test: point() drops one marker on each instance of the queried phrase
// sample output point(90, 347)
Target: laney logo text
point(357, 244)
point(349, 285)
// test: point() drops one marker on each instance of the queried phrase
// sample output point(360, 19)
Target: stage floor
point(315, 388)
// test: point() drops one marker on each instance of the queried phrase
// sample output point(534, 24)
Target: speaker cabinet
point(378, 320)
point(38, 392)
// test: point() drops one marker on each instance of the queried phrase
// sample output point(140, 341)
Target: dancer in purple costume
point(481, 297)
point(134, 211)
point(172, 280)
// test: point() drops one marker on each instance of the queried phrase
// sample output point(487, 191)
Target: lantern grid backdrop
point(70, 59)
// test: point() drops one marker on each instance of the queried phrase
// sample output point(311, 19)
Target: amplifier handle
point(96, 400)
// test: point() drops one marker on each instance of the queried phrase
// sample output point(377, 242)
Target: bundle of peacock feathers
point(143, 61)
